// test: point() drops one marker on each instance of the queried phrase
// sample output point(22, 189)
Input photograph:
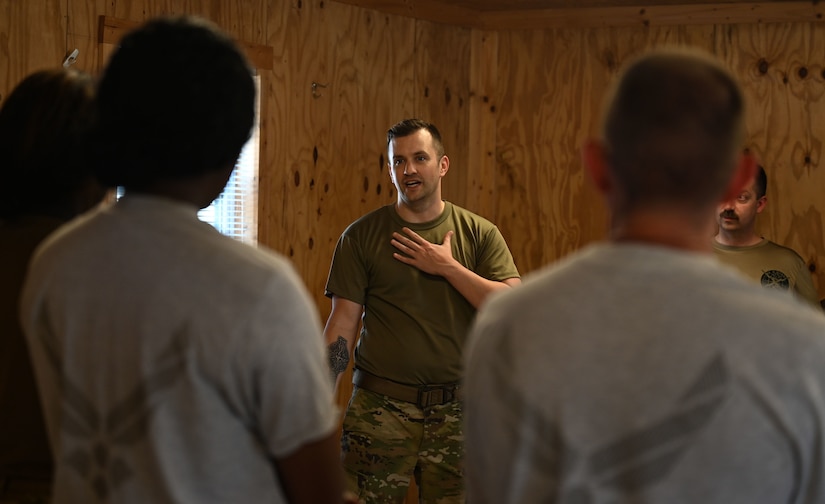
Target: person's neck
point(743, 238)
point(679, 230)
point(420, 213)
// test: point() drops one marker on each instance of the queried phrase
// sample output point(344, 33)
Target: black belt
point(422, 396)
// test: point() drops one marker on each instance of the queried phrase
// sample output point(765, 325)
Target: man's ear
point(443, 165)
point(760, 204)
point(594, 159)
point(742, 176)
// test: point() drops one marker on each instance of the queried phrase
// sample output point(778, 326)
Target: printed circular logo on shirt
point(775, 279)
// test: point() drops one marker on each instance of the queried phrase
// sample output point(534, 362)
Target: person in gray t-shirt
point(640, 369)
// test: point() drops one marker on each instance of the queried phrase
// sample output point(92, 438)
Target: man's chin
point(729, 226)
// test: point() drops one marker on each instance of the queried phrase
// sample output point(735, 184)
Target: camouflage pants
point(385, 442)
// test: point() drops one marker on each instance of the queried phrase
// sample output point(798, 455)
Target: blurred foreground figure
point(640, 369)
point(177, 365)
point(45, 129)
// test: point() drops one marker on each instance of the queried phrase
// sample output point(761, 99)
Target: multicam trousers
point(386, 441)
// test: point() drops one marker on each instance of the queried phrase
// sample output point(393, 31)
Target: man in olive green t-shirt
point(737, 244)
point(412, 274)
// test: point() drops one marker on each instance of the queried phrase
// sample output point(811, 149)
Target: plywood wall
point(549, 89)
point(782, 67)
point(514, 106)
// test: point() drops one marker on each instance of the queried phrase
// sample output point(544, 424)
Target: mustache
point(729, 214)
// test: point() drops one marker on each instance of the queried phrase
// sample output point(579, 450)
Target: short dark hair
point(46, 125)
point(409, 126)
point(177, 99)
point(760, 181)
point(674, 127)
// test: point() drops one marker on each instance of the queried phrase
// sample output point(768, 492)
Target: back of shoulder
point(784, 321)
point(71, 236)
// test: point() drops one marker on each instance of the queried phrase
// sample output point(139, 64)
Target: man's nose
point(409, 168)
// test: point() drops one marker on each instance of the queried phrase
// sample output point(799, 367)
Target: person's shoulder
point(236, 256)
point(773, 312)
point(461, 211)
point(71, 235)
point(565, 274)
point(462, 214)
point(370, 219)
point(248, 274)
point(781, 249)
point(764, 246)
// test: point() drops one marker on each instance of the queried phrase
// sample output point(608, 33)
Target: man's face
point(739, 214)
point(416, 169)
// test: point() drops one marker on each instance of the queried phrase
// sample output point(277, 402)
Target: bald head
point(673, 129)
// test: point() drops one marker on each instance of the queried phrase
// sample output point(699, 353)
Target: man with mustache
point(738, 244)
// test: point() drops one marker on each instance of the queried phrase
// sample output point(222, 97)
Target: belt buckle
point(432, 396)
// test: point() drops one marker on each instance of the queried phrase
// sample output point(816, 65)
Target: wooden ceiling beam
point(442, 11)
point(688, 14)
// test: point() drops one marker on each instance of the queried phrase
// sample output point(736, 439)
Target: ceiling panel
point(540, 14)
point(517, 5)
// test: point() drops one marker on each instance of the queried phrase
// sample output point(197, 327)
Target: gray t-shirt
point(174, 363)
point(631, 373)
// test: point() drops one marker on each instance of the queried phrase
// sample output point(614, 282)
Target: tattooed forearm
point(338, 357)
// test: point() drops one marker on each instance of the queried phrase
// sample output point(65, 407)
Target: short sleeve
point(348, 275)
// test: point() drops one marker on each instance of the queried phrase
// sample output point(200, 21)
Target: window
point(235, 212)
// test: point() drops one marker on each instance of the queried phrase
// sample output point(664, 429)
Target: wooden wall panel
point(82, 21)
point(298, 183)
point(482, 111)
point(32, 37)
point(245, 20)
point(543, 208)
point(274, 117)
point(328, 143)
point(442, 58)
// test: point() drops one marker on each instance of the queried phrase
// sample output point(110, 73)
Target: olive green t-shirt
point(772, 265)
point(414, 324)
